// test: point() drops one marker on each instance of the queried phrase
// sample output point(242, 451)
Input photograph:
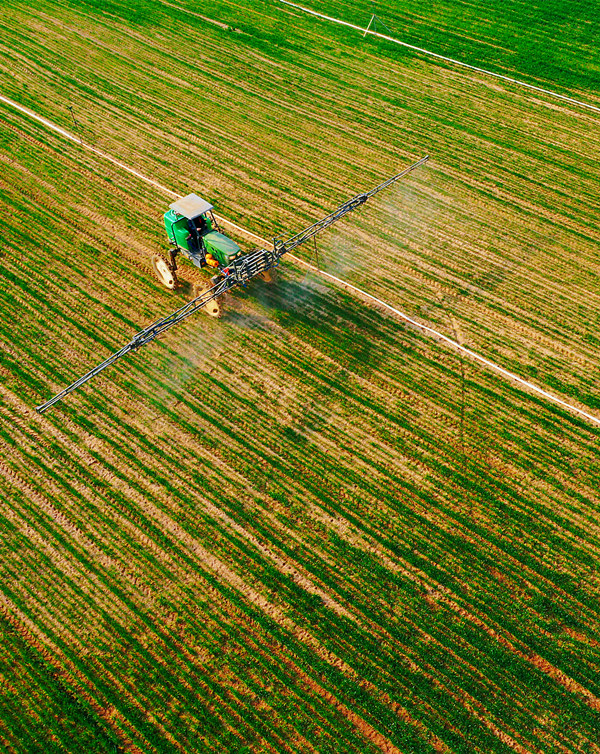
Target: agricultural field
point(306, 526)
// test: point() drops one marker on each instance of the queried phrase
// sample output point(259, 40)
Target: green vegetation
point(305, 527)
point(551, 43)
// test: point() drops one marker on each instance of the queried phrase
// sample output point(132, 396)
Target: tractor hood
point(222, 248)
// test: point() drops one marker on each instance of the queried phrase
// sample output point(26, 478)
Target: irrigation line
point(530, 386)
point(443, 57)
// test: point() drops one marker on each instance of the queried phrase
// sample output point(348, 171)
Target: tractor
point(194, 233)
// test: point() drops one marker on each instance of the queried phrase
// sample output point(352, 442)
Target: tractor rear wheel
point(213, 308)
point(164, 272)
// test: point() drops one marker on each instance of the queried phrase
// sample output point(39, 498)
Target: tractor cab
point(193, 231)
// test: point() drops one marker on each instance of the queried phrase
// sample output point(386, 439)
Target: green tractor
point(194, 232)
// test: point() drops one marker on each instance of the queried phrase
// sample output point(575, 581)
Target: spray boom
point(239, 272)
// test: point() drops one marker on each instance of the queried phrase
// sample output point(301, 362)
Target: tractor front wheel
point(268, 276)
point(213, 308)
point(164, 272)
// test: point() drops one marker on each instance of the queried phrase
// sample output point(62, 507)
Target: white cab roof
point(191, 206)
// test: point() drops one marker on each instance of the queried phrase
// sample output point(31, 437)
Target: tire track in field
point(44, 199)
point(89, 147)
point(436, 55)
point(224, 573)
point(516, 319)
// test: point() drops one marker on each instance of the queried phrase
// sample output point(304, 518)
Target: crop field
point(304, 527)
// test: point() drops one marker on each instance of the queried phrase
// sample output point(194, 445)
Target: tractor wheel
point(268, 276)
point(163, 272)
point(212, 308)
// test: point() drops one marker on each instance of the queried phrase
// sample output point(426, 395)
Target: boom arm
point(145, 336)
point(238, 273)
point(282, 247)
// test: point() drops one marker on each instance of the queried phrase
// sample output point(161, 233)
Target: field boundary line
point(437, 55)
point(473, 355)
point(81, 143)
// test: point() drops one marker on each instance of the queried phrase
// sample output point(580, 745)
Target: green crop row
point(450, 514)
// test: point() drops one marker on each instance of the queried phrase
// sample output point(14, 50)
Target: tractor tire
point(163, 272)
point(268, 276)
point(212, 308)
